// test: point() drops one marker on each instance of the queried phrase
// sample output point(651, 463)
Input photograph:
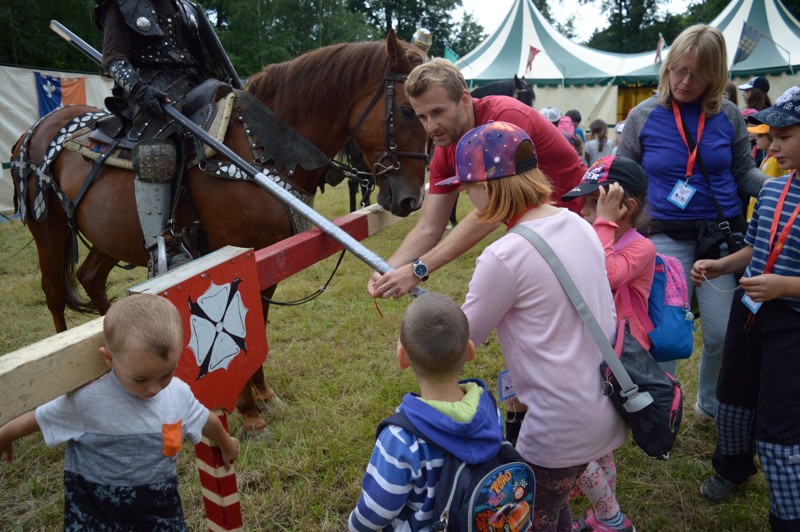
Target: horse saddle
point(209, 105)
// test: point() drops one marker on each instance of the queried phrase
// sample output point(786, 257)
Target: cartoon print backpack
point(493, 495)
point(669, 317)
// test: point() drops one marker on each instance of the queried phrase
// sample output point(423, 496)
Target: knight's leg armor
point(154, 164)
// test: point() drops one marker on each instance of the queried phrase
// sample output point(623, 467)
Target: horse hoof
point(263, 434)
point(273, 406)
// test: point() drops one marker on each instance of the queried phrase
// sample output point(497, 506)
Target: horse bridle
point(366, 179)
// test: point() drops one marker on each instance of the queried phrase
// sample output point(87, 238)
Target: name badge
point(750, 304)
point(505, 387)
point(681, 194)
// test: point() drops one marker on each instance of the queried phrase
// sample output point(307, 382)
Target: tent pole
point(603, 97)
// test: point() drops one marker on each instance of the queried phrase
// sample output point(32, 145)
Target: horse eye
point(408, 112)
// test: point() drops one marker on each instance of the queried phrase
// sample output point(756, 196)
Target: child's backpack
point(492, 495)
point(669, 317)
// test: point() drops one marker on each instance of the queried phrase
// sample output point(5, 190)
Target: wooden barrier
point(40, 372)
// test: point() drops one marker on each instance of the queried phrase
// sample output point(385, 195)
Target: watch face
point(420, 270)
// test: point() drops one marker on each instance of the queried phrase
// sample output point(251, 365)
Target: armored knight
point(156, 51)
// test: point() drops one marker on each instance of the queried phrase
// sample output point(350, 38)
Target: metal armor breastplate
point(168, 50)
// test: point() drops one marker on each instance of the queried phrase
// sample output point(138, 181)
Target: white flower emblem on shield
point(218, 327)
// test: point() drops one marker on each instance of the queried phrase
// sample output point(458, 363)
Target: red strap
point(701, 124)
point(776, 247)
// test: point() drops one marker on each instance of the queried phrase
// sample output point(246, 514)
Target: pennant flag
point(747, 42)
point(659, 45)
point(54, 92)
point(531, 55)
point(450, 54)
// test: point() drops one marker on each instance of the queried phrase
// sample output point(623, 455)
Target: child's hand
point(705, 269)
point(610, 204)
point(763, 287)
point(230, 452)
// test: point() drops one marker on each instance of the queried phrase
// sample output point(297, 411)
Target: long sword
point(325, 225)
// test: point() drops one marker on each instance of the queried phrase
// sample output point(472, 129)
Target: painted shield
point(219, 299)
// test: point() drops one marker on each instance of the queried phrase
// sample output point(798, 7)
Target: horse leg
point(257, 391)
point(55, 248)
point(92, 275)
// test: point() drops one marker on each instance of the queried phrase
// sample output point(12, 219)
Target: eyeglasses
point(683, 73)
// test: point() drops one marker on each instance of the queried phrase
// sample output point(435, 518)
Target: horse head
point(389, 134)
point(523, 91)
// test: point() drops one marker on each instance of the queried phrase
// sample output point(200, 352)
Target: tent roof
point(561, 61)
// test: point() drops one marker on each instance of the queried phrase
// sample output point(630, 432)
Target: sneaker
point(717, 488)
point(591, 523)
point(702, 413)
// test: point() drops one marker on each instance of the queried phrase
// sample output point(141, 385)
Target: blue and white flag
point(54, 92)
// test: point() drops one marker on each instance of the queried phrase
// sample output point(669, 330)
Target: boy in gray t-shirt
point(123, 431)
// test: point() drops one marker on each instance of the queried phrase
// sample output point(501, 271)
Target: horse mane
point(496, 88)
point(293, 88)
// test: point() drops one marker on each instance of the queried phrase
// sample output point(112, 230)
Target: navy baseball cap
point(784, 113)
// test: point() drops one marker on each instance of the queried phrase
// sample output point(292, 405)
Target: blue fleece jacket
point(399, 486)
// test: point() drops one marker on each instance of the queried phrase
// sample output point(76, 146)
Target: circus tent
point(563, 71)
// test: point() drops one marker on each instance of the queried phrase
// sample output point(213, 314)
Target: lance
point(326, 226)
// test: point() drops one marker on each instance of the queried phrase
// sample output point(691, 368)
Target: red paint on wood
point(292, 255)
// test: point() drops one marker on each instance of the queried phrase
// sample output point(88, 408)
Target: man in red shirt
point(438, 93)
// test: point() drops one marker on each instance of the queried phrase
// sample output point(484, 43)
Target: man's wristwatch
point(420, 270)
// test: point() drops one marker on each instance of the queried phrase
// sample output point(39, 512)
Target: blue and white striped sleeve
point(389, 480)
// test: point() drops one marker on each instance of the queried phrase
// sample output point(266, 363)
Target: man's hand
point(393, 284)
point(149, 99)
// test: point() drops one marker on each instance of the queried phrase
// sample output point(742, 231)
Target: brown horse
point(343, 91)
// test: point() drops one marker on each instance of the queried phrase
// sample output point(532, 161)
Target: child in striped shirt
point(758, 399)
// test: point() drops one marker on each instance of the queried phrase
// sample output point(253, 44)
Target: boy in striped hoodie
point(399, 486)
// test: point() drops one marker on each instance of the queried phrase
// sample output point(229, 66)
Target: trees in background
point(260, 32)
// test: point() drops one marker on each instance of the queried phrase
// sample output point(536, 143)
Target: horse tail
point(72, 296)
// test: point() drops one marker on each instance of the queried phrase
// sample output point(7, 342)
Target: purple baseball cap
point(607, 170)
point(489, 152)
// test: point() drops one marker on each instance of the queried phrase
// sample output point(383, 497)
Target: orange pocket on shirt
point(172, 433)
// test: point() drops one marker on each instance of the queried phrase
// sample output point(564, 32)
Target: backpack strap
point(400, 419)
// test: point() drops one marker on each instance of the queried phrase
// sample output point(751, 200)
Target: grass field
point(332, 360)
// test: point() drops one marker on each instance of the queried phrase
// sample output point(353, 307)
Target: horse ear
point(516, 79)
point(398, 59)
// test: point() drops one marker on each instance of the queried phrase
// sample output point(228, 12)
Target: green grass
point(333, 361)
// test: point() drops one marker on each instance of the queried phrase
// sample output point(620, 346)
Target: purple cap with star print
point(489, 152)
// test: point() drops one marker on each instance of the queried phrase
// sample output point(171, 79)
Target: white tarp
point(19, 108)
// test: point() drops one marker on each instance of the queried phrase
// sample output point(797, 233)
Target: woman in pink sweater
point(614, 191)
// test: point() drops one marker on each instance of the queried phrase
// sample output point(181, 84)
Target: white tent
point(569, 75)
point(20, 110)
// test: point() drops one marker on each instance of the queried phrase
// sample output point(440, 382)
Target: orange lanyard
point(775, 249)
point(701, 124)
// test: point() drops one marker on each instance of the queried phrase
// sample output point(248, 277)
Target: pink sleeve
point(491, 294)
point(636, 260)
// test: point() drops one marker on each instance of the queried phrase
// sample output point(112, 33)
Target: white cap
point(551, 114)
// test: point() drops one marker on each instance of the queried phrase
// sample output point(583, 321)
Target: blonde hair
point(439, 72)
point(708, 46)
point(509, 196)
point(143, 321)
point(434, 335)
